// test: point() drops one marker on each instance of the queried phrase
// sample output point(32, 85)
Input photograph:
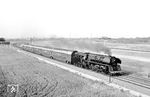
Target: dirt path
point(38, 79)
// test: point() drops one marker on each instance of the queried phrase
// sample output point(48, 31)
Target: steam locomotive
point(96, 62)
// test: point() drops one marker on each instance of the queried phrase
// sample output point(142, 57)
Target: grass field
point(38, 79)
point(140, 47)
point(137, 54)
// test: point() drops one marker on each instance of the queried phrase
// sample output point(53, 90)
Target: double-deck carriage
point(64, 56)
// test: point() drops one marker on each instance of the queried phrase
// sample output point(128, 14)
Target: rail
point(135, 80)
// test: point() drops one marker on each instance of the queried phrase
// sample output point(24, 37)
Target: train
point(96, 62)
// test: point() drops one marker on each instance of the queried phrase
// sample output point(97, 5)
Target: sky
point(74, 18)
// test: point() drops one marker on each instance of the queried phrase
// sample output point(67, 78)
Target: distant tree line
point(128, 40)
point(2, 39)
point(105, 38)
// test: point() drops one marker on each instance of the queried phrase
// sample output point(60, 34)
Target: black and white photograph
point(74, 48)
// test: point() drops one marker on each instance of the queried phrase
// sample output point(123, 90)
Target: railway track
point(139, 81)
